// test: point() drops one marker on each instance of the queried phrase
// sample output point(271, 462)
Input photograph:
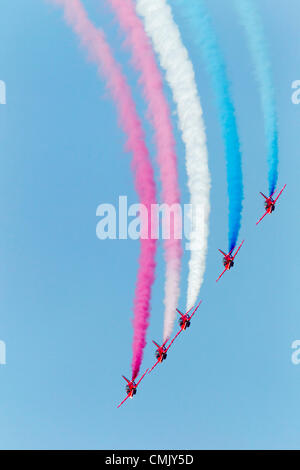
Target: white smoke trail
point(174, 59)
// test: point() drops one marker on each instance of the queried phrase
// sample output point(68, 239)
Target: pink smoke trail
point(99, 51)
point(159, 112)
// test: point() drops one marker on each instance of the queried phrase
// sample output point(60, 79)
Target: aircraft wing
point(153, 367)
point(174, 339)
point(123, 401)
point(196, 309)
point(221, 275)
point(185, 313)
point(222, 252)
point(262, 218)
point(232, 250)
point(280, 193)
point(238, 249)
point(180, 313)
point(142, 376)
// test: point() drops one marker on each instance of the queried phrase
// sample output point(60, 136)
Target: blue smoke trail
point(252, 23)
point(202, 33)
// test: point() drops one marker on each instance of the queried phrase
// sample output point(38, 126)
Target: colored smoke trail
point(202, 32)
point(99, 52)
point(257, 44)
point(173, 56)
point(159, 113)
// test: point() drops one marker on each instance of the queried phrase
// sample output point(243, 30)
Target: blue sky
point(66, 297)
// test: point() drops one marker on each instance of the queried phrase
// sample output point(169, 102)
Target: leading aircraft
point(270, 203)
point(131, 387)
point(228, 260)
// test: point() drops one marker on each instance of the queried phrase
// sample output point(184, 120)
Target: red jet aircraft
point(131, 387)
point(185, 319)
point(228, 259)
point(270, 203)
point(161, 352)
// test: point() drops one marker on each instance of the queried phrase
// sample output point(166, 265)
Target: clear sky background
point(66, 297)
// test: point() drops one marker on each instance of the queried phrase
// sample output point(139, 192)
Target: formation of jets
point(228, 260)
point(161, 352)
